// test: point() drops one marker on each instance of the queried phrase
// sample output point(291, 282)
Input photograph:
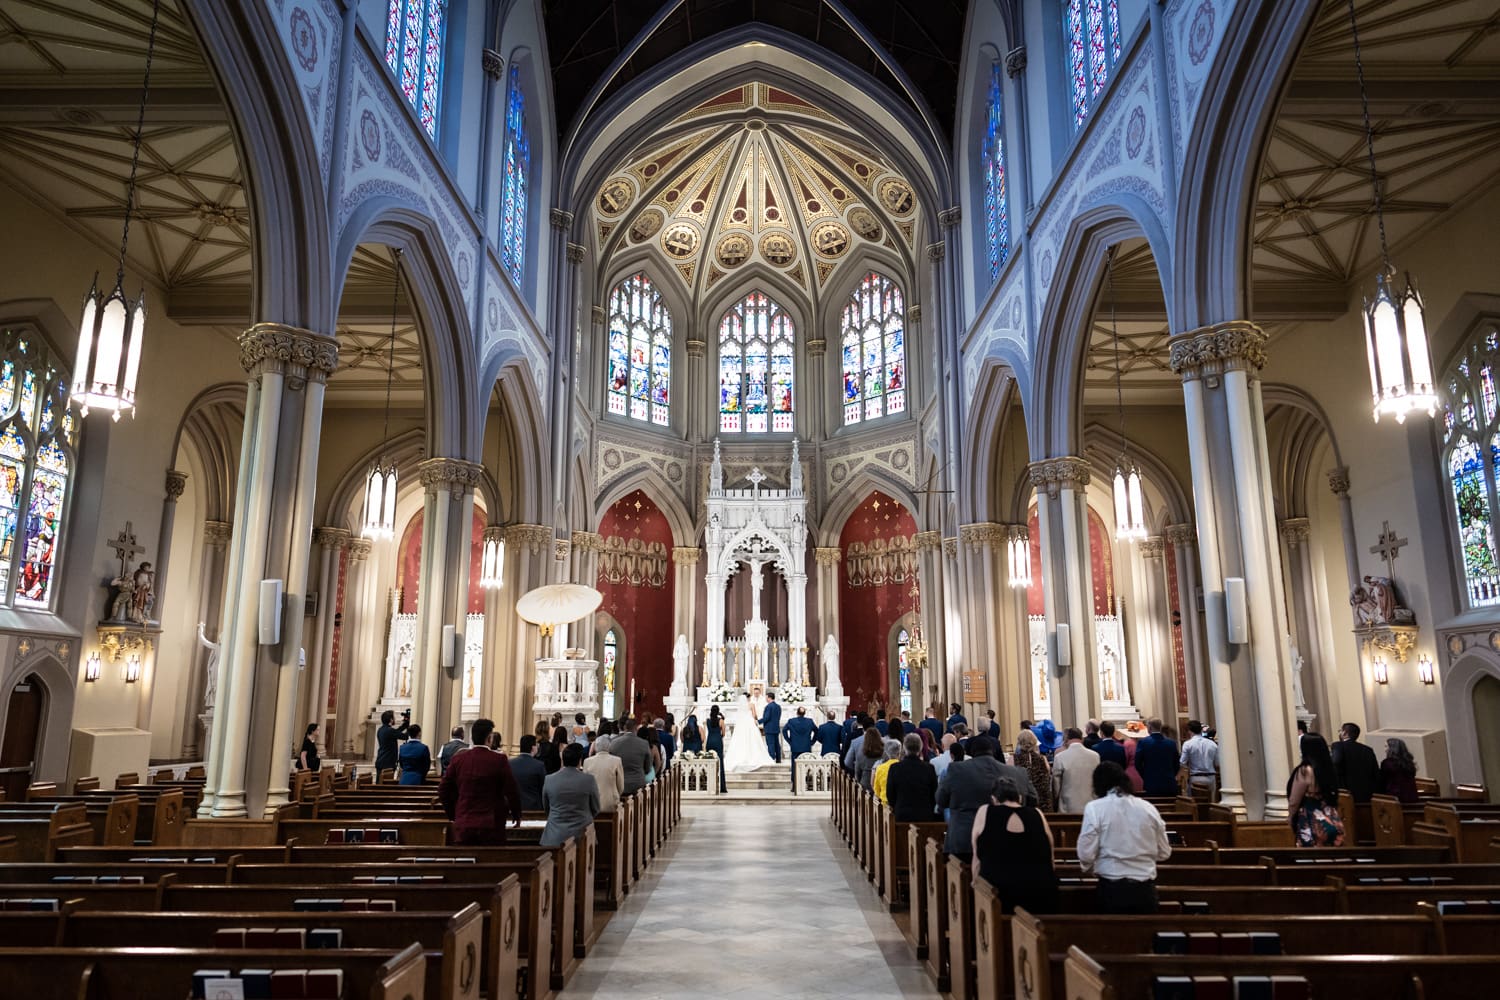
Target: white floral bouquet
point(791, 693)
point(698, 755)
point(721, 694)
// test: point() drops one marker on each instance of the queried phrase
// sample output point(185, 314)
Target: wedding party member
point(1398, 772)
point(770, 725)
point(665, 741)
point(911, 785)
point(799, 733)
point(571, 799)
point(1013, 852)
point(956, 716)
point(414, 759)
point(1073, 773)
point(692, 734)
point(530, 774)
point(608, 773)
point(478, 791)
point(1312, 797)
point(715, 741)
point(1122, 839)
point(387, 738)
point(830, 734)
point(881, 723)
point(635, 758)
point(307, 759)
point(1029, 758)
point(455, 743)
point(871, 753)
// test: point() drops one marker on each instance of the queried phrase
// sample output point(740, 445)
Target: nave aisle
point(753, 900)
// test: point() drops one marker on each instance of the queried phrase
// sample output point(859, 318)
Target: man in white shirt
point(1122, 839)
point(941, 761)
point(1200, 758)
point(1073, 773)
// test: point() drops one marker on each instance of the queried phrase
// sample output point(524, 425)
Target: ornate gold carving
point(1053, 475)
point(217, 533)
point(1181, 534)
point(1295, 530)
point(176, 483)
point(686, 556)
point(1398, 640)
point(288, 351)
point(360, 548)
point(1338, 480)
point(329, 537)
point(456, 474)
point(1236, 345)
point(828, 556)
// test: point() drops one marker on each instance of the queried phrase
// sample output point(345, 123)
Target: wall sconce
point(1424, 669)
point(91, 667)
point(1380, 671)
point(133, 668)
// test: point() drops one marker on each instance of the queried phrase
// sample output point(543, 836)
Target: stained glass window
point(903, 669)
point(640, 351)
point(996, 206)
point(755, 367)
point(611, 654)
point(37, 437)
point(1472, 464)
point(414, 52)
point(1091, 30)
point(874, 350)
point(517, 175)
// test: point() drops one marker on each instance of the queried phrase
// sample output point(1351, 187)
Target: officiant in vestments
point(770, 725)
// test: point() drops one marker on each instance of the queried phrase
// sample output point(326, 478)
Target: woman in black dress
point(1013, 851)
point(308, 758)
point(715, 741)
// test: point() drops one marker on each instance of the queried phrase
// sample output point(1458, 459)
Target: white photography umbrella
point(558, 604)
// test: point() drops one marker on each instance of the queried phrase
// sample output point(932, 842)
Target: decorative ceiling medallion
point(863, 221)
point(680, 241)
point(647, 225)
point(756, 125)
point(830, 240)
point(616, 196)
point(778, 248)
point(896, 196)
point(733, 250)
point(824, 270)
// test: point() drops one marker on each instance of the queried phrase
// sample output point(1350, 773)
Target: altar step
point(770, 777)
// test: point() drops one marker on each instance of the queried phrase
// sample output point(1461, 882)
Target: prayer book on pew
point(1212, 988)
point(1173, 988)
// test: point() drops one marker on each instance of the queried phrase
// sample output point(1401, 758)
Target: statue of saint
point(681, 656)
point(834, 688)
point(211, 680)
point(119, 610)
point(143, 596)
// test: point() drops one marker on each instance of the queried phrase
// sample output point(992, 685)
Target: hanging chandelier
point(1020, 558)
point(1395, 328)
point(492, 558)
point(380, 483)
point(113, 328)
point(1130, 510)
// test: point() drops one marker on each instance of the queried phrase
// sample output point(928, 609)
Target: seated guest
point(570, 797)
point(447, 750)
point(871, 752)
point(414, 759)
point(608, 772)
point(890, 753)
point(1029, 758)
point(478, 791)
point(1398, 771)
point(1013, 852)
point(911, 784)
point(1109, 748)
point(1122, 839)
point(530, 773)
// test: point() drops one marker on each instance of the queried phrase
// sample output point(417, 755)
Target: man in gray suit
point(967, 786)
point(571, 798)
point(635, 755)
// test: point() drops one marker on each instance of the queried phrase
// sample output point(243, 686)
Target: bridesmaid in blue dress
point(692, 734)
point(715, 740)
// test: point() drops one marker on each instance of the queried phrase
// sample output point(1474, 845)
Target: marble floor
point(751, 899)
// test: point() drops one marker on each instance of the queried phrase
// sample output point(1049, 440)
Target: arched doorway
point(19, 746)
point(1487, 706)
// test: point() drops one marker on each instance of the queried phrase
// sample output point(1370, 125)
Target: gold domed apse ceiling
point(756, 175)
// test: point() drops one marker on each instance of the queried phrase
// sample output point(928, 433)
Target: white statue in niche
point(211, 682)
point(834, 686)
point(681, 657)
point(1297, 662)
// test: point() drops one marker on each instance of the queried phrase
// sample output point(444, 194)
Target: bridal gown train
point(746, 749)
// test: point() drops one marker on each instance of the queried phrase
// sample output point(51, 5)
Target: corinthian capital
point(1338, 481)
point(455, 475)
point(299, 355)
point(928, 540)
point(1212, 350)
point(587, 541)
point(176, 484)
point(1181, 534)
point(360, 548)
point(492, 63)
point(1053, 475)
point(216, 534)
point(1295, 530)
point(1153, 547)
point(528, 536)
point(686, 556)
point(983, 534)
point(332, 538)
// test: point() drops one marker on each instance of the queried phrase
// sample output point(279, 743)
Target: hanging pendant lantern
point(1130, 513)
point(113, 328)
point(1400, 359)
point(380, 483)
point(1020, 560)
point(492, 561)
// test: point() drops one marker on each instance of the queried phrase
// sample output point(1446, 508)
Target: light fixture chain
point(390, 361)
point(1364, 102)
point(135, 155)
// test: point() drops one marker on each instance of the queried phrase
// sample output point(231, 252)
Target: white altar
point(1109, 654)
point(400, 659)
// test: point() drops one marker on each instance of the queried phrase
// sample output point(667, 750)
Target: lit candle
point(632, 695)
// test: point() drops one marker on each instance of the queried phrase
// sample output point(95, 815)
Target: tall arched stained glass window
point(755, 367)
point(874, 350)
point(414, 52)
point(640, 351)
point(1092, 30)
point(517, 173)
point(903, 669)
point(611, 664)
point(1471, 461)
point(38, 434)
point(996, 206)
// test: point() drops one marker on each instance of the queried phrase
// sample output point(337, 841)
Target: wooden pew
point(916, 837)
point(36, 873)
point(112, 816)
point(41, 828)
point(412, 832)
point(1470, 825)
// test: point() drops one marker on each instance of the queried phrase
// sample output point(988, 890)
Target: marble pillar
point(497, 606)
point(1067, 584)
point(826, 562)
point(331, 543)
point(528, 561)
point(255, 719)
point(359, 670)
point(1183, 539)
point(930, 580)
point(210, 604)
point(584, 553)
point(448, 486)
point(984, 611)
point(685, 560)
point(175, 485)
point(1302, 619)
point(1155, 664)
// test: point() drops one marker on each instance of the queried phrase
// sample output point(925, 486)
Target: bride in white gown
point(746, 749)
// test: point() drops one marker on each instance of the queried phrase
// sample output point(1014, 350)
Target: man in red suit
point(478, 790)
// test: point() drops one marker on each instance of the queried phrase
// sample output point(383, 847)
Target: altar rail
point(699, 775)
point(813, 775)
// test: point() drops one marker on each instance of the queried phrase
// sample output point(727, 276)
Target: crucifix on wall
point(126, 546)
point(1387, 547)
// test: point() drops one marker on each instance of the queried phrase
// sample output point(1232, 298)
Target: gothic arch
point(346, 499)
point(844, 501)
point(1474, 664)
point(213, 424)
point(1304, 431)
point(1102, 445)
point(656, 488)
point(522, 407)
point(990, 416)
point(59, 690)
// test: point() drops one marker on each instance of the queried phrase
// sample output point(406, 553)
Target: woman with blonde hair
point(1028, 757)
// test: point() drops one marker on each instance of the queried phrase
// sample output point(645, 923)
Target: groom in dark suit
point(770, 725)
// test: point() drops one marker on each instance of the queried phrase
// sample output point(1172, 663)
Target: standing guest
point(932, 724)
point(1048, 739)
point(715, 742)
point(956, 716)
point(911, 784)
point(387, 738)
point(941, 761)
point(1122, 839)
point(928, 750)
point(830, 734)
point(1156, 759)
point(608, 773)
point(666, 741)
point(993, 731)
point(1109, 747)
point(478, 791)
point(1312, 798)
point(1013, 851)
point(957, 755)
point(852, 731)
point(559, 731)
point(1029, 758)
point(1200, 759)
point(571, 799)
point(530, 774)
point(891, 753)
point(307, 759)
point(1130, 770)
point(871, 753)
point(692, 734)
point(580, 734)
point(961, 733)
point(635, 758)
point(1355, 764)
point(799, 732)
point(907, 726)
point(966, 788)
point(1073, 772)
point(1091, 733)
point(547, 750)
point(447, 750)
point(1398, 771)
point(415, 760)
point(648, 734)
point(881, 723)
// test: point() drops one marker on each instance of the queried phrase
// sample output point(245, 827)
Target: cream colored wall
point(176, 654)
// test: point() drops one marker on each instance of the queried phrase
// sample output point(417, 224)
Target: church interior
point(1067, 359)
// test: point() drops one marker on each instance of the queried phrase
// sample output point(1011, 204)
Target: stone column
point(562, 550)
point(492, 123)
point(448, 486)
point(528, 558)
point(1183, 538)
point(498, 608)
point(585, 556)
point(210, 603)
point(331, 542)
point(685, 562)
point(255, 720)
point(1156, 667)
point(1309, 689)
point(1067, 582)
point(987, 632)
point(176, 483)
point(358, 673)
point(826, 561)
point(1220, 368)
point(930, 571)
point(815, 421)
point(1017, 693)
point(702, 420)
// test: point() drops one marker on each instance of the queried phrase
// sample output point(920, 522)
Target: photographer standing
point(387, 738)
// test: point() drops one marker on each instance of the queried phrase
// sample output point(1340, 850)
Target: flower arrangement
point(791, 693)
point(698, 755)
point(721, 694)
